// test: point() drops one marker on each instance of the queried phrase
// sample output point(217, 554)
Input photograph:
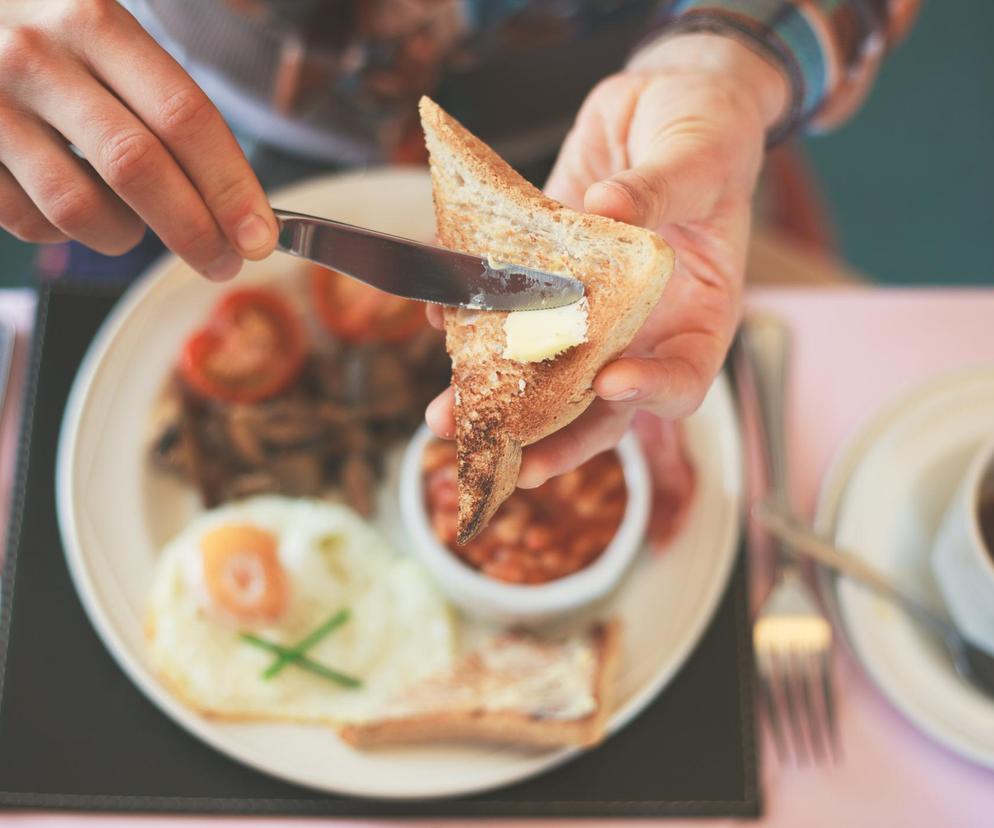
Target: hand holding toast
point(673, 144)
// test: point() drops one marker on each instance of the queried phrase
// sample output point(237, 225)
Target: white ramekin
point(497, 601)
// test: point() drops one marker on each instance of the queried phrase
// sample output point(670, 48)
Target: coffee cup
point(963, 551)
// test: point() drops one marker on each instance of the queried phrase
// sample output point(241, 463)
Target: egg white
point(400, 627)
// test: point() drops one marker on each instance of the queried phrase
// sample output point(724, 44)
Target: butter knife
point(8, 336)
point(421, 271)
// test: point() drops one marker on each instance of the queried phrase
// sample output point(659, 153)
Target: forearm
point(828, 50)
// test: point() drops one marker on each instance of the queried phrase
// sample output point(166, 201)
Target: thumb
point(679, 179)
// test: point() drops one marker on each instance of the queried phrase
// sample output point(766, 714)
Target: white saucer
point(883, 499)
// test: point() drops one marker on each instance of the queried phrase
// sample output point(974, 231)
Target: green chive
point(301, 647)
point(302, 661)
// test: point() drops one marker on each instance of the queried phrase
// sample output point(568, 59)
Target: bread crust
point(483, 207)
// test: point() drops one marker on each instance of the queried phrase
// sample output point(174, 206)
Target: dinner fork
point(791, 636)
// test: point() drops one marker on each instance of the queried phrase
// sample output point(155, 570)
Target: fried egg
point(278, 569)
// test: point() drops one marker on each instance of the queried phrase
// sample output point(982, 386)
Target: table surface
point(853, 350)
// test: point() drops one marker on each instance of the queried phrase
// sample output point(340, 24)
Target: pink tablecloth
point(853, 350)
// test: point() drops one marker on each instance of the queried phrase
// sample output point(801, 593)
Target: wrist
point(766, 84)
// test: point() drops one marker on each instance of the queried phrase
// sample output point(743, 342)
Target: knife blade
point(421, 271)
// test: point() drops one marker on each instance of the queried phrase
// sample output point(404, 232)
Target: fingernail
point(622, 396)
point(438, 422)
point(529, 478)
point(253, 233)
point(446, 432)
point(224, 267)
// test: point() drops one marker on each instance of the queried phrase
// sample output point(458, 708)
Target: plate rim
point(845, 462)
point(200, 727)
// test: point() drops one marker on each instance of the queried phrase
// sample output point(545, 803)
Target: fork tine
point(787, 693)
point(828, 703)
point(770, 708)
point(806, 675)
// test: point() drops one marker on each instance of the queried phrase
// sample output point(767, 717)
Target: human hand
point(675, 144)
point(157, 152)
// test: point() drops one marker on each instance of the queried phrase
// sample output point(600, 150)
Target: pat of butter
point(533, 336)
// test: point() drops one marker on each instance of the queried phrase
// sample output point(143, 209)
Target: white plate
point(115, 513)
point(883, 498)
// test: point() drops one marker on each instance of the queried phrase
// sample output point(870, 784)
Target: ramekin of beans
point(547, 552)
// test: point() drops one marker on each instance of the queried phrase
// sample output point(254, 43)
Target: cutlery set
point(792, 635)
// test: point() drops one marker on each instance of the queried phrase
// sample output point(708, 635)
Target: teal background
point(910, 180)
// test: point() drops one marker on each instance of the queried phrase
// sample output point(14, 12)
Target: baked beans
point(537, 535)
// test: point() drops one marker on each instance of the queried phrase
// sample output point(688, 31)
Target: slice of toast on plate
point(502, 402)
point(516, 689)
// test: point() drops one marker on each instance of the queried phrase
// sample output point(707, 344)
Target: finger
point(440, 414)
point(20, 217)
point(157, 89)
point(69, 195)
point(589, 152)
point(137, 167)
point(597, 429)
point(436, 316)
point(672, 384)
point(569, 179)
point(678, 181)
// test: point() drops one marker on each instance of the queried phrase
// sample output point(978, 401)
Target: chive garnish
point(302, 661)
point(301, 647)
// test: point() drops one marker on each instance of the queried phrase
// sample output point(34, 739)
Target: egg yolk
point(243, 574)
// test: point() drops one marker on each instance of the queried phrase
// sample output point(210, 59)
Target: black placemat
point(76, 734)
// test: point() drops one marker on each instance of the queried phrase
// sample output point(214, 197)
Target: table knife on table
point(8, 335)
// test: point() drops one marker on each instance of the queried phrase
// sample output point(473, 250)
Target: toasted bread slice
point(484, 207)
point(516, 689)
